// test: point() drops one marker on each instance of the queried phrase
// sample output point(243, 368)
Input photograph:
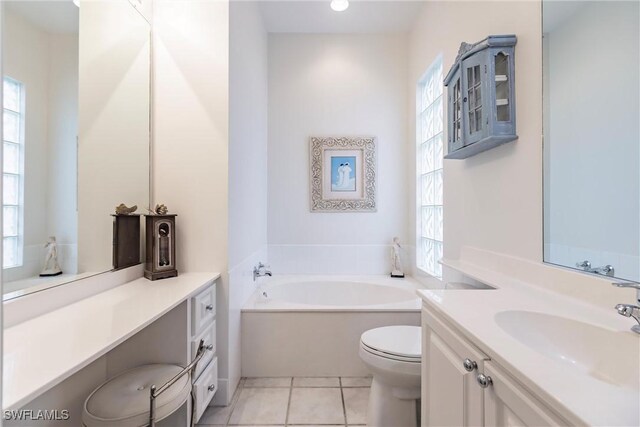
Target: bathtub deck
point(290, 401)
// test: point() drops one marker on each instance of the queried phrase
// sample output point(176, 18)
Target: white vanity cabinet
point(451, 395)
point(451, 391)
point(203, 327)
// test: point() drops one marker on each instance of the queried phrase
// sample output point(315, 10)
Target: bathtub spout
point(260, 270)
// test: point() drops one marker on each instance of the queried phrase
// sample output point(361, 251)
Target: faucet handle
point(583, 264)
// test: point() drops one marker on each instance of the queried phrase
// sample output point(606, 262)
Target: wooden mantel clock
point(160, 260)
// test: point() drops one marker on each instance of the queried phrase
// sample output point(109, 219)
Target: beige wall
point(191, 128)
point(493, 200)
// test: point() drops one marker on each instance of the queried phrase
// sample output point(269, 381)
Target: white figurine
point(396, 264)
point(51, 266)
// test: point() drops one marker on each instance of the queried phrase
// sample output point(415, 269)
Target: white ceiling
point(53, 16)
point(362, 16)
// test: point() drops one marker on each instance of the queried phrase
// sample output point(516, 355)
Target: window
point(12, 172)
point(430, 153)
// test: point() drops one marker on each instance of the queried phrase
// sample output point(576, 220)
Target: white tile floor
point(294, 401)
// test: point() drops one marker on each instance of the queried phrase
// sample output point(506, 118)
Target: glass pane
point(11, 156)
point(502, 87)
point(438, 121)
point(437, 223)
point(503, 113)
point(437, 255)
point(11, 126)
point(478, 119)
point(10, 220)
point(10, 252)
point(427, 157)
point(437, 151)
point(472, 122)
point(437, 187)
point(11, 94)
point(437, 80)
point(428, 225)
point(10, 187)
point(427, 189)
point(428, 255)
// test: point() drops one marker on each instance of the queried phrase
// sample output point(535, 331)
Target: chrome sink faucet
point(260, 270)
point(630, 310)
point(605, 270)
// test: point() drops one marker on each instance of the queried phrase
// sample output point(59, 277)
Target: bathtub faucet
point(260, 270)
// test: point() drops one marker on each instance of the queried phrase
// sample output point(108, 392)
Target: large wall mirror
point(592, 136)
point(76, 88)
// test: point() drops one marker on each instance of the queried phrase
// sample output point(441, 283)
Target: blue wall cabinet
point(481, 98)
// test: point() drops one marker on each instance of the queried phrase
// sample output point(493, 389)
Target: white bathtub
point(311, 325)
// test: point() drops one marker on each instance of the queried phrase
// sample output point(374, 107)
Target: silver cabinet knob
point(209, 347)
point(469, 365)
point(211, 387)
point(209, 307)
point(484, 380)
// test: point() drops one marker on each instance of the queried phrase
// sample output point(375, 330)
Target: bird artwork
point(122, 209)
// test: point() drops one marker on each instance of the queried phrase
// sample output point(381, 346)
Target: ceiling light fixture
point(339, 5)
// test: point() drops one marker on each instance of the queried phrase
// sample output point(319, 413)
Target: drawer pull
point(209, 307)
point(469, 365)
point(211, 387)
point(209, 347)
point(484, 380)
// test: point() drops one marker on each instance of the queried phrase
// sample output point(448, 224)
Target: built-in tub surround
point(311, 325)
point(579, 360)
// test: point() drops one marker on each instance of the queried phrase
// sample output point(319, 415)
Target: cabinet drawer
point(203, 310)
point(205, 388)
point(209, 337)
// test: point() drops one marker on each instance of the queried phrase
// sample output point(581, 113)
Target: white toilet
point(392, 354)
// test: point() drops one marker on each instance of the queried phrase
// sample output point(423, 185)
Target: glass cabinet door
point(474, 111)
point(455, 112)
point(501, 64)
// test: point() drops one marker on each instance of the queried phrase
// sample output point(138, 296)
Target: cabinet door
point(507, 404)
point(455, 121)
point(450, 393)
point(474, 87)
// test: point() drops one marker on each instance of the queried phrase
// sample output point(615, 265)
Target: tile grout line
point(286, 418)
point(344, 407)
point(234, 400)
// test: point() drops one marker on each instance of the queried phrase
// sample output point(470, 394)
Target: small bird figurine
point(161, 209)
point(122, 209)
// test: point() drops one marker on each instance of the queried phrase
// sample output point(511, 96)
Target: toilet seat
point(400, 343)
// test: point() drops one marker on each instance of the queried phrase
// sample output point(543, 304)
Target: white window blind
point(430, 153)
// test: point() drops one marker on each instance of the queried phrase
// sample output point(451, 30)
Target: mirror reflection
point(592, 136)
point(75, 136)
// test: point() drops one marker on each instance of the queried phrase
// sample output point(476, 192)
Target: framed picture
point(343, 174)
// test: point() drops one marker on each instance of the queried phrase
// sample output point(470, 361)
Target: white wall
point(592, 138)
point(493, 200)
point(191, 135)
point(47, 64)
point(247, 164)
point(26, 60)
point(62, 157)
point(113, 123)
point(335, 85)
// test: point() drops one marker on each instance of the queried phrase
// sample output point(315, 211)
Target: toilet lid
point(403, 341)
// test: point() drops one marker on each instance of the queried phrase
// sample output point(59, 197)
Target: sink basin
point(607, 355)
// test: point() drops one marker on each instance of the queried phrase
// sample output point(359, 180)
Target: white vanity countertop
point(575, 395)
point(41, 352)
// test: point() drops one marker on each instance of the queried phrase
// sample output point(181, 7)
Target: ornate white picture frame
point(343, 174)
